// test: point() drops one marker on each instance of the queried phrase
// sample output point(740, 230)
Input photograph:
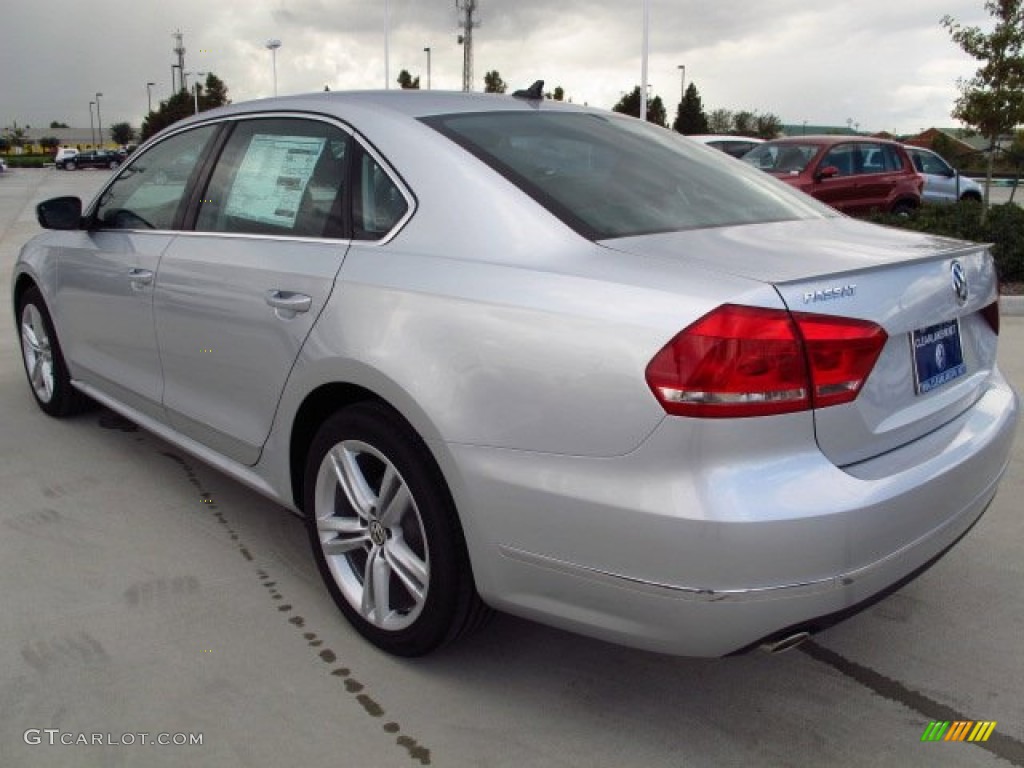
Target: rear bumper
point(703, 541)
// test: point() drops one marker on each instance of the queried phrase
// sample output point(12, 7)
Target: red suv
point(851, 173)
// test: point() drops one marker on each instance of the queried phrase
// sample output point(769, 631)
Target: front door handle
point(140, 276)
point(288, 302)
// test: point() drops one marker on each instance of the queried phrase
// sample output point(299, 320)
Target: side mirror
point(60, 213)
point(827, 172)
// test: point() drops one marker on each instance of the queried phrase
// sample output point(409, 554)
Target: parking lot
point(145, 593)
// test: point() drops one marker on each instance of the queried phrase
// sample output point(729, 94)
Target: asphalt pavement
point(146, 597)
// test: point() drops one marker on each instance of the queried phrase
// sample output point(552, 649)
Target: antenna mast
point(179, 48)
point(466, 9)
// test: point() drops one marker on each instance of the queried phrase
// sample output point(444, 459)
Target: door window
point(148, 193)
point(279, 176)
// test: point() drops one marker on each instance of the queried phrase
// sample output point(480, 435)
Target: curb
point(1012, 306)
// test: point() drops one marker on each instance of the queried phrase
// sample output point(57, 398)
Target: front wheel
point(44, 362)
point(385, 534)
point(70, 165)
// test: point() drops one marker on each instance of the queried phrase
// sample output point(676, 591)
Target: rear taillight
point(991, 315)
point(750, 361)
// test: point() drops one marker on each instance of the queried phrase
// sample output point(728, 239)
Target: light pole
point(173, 67)
point(149, 96)
point(272, 45)
point(643, 66)
point(682, 83)
point(195, 90)
point(427, 51)
point(99, 120)
point(387, 35)
point(92, 128)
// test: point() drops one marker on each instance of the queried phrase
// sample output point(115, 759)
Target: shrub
point(1004, 228)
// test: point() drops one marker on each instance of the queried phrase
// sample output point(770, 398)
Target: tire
point(44, 362)
point(113, 164)
point(398, 571)
point(903, 208)
point(70, 165)
point(970, 197)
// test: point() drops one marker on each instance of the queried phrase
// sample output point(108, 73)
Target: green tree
point(768, 125)
point(690, 117)
point(493, 83)
point(407, 82)
point(213, 93)
point(49, 143)
point(182, 104)
point(16, 137)
point(558, 94)
point(629, 104)
point(122, 133)
point(58, 124)
point(720, 121)
point(744, 123)
point(992, 102)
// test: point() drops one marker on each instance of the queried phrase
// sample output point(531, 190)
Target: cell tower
point(179, 48)
point(466, 9)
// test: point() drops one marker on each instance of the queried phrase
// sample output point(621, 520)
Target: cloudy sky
point(884, 65)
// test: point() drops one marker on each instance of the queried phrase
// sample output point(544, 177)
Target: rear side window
point(609, 176)
point(378, 203)
point(279, 176)
point(147, 194)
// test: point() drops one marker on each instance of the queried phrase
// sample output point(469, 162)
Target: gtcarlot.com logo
point(958, 730)
point(54, 736)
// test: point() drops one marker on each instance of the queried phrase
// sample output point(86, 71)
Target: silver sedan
point(508, 353)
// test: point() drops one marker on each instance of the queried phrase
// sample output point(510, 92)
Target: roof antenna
point(534, 92)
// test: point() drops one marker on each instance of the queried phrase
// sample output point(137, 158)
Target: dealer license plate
point(938, 355)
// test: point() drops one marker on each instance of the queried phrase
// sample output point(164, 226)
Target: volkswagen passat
point(509, 353)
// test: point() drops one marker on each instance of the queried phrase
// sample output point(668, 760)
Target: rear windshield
point(608, 176)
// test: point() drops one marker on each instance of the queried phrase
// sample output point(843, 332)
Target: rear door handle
point(288, 301)
point(139, 276)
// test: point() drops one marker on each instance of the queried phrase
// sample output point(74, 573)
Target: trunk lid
point(903, 281)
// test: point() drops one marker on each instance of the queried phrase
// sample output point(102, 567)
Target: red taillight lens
point(751, 361)
point(991, 315)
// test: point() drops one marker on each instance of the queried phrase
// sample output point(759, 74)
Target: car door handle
point(288, 301)
point(140, 276)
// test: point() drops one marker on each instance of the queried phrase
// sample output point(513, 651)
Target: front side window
point(788, 158)
point(609, 176)
point(149, 192)
point(279, 176)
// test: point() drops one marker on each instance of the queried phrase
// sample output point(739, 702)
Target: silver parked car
point(512, 353)
point(942, 182)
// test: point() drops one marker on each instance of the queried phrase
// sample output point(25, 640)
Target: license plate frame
point(937, 352)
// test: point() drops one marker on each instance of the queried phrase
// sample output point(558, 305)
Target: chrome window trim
point(410, 199)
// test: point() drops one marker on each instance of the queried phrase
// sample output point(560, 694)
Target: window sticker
point(272, 178)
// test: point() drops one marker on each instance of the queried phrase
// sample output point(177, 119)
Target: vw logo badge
point(959, 282)
point(940, 357)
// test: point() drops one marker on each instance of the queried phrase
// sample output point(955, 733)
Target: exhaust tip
point(786, 643)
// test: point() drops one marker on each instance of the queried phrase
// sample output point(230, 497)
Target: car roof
point(832, 139)
point(399, 103)
point(706, 137)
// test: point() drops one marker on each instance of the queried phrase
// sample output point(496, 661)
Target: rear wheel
point(70, 165)
point(904, 208)
point(44, 362)
point(385, 534)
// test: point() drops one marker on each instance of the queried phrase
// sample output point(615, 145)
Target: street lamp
point(643, 62)
point(682, 83)
point(195, 89)
point(149, 96)
point(272, 45)
point(427, 51)
point(92, 128)
point(174, 67)
point(387, 35)
point(99, 120)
